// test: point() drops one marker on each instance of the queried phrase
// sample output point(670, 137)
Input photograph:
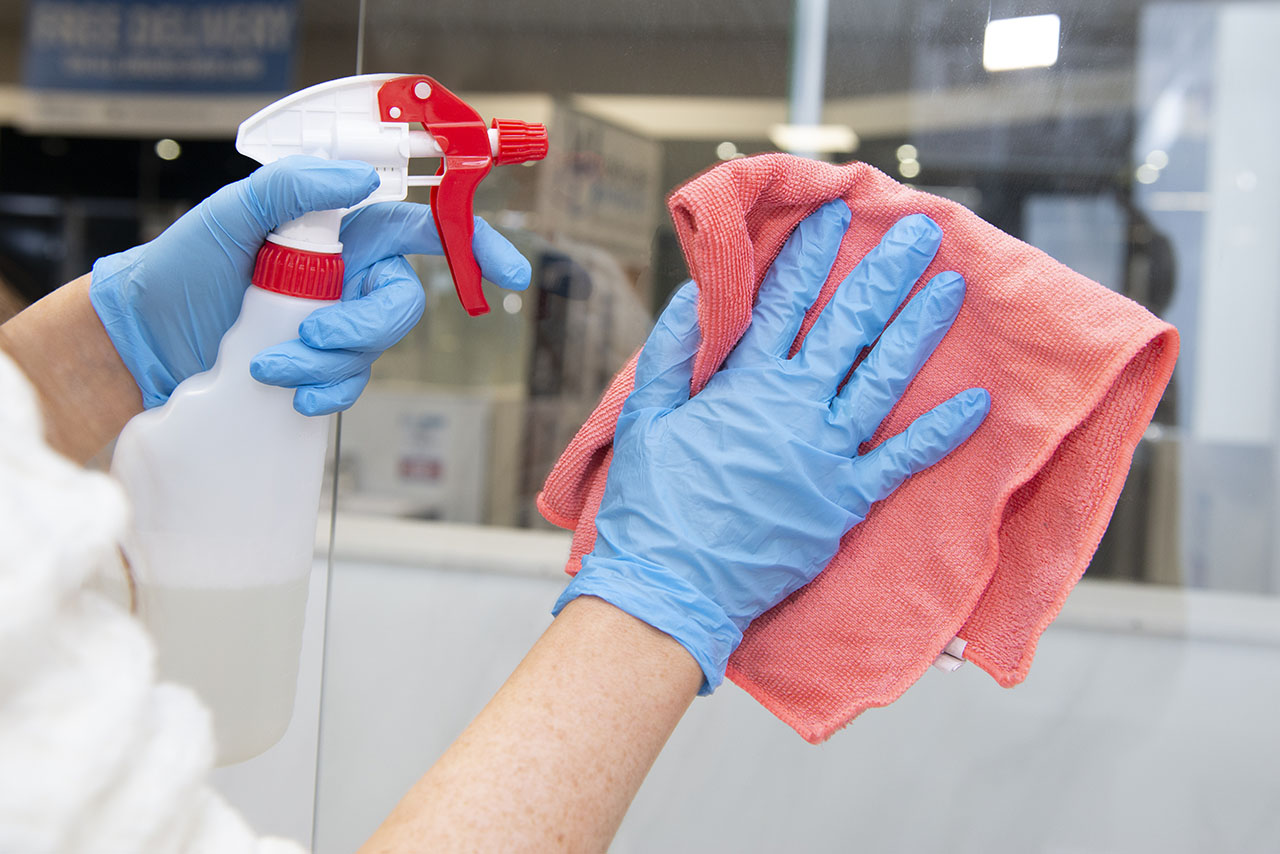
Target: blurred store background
point(1128, 152)
point(1132, 140)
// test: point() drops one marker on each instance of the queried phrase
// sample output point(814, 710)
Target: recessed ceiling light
point(1030, 42)
point(168, 149)
point(823, 139)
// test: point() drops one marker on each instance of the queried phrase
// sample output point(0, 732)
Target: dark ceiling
point(721, 47)
point(691, 47)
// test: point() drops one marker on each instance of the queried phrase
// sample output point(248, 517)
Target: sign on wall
point(197, 46)
point(601, 184)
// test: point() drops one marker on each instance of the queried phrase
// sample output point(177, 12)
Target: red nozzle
point(520, 142)
point(468, 156)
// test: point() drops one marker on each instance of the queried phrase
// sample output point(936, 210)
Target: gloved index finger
point(793, 282)
point(388, 229)
point(867, 298)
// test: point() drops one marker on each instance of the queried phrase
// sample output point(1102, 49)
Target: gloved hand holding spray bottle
point(225, 475)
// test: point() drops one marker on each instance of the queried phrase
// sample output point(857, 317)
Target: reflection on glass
point(1110, 156)
point(1129, 140)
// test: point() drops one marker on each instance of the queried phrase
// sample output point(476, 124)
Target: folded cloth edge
point(1165, 336)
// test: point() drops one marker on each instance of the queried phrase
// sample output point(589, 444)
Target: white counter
point(1146, 724)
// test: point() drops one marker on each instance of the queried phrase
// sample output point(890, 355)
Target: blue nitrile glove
point(718, 507)
point(382, 300)
point(166, 304)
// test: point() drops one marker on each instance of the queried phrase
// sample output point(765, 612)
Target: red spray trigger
point(464, 139)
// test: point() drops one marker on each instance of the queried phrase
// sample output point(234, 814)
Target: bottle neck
point(295, 272)
point(311, 232)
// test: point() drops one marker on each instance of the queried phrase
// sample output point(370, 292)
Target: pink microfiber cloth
point(986, 545)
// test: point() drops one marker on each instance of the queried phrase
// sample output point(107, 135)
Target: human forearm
point(86, 392)
point(555, 758)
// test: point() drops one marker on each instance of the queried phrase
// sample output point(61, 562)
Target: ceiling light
point(1030, 42)
point(822, 139)
point(1146, 174)
point(909, 168)
point(1158, 159)
point(168, 149)
point(727, 151)
point(907, 152)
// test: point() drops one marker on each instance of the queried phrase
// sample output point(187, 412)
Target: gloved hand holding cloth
point(719, 506)
point(973, 556)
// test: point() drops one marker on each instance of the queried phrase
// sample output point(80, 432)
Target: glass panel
point(1130, 144)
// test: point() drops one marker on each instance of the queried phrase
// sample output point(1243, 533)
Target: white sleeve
point(97, 757)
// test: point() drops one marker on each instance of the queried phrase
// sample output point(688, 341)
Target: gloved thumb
point(292, 186)
point(665, 366)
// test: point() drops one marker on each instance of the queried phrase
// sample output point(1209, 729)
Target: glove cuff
point(665, 601)
point(107, 293)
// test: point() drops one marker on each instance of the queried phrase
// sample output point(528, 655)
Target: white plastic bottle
point(224, 481)
point(225, 477)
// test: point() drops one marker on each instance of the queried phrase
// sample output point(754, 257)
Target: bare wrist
point(86, 392)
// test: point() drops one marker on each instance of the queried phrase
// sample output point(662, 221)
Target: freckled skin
point(555, 758)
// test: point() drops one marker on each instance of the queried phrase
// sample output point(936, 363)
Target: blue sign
point(160, 45)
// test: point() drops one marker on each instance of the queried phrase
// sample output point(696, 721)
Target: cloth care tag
point(952, 657)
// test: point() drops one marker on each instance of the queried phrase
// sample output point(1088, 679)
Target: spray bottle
point(225, 477)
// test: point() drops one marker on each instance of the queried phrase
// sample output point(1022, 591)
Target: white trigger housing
point(339, 120)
